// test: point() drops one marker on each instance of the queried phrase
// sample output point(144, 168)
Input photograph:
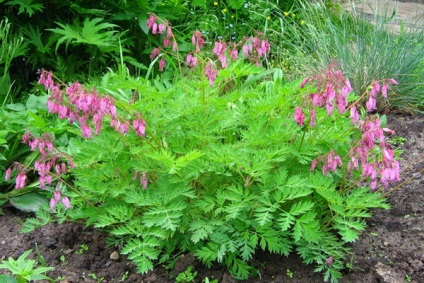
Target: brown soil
point(391, 250)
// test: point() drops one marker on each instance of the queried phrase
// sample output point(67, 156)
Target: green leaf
point(168, 217)
point(29, 202)
point(26, 6)
point(93, 32)
point(7, 279)
point(142, 252)
point(301, 207)
point(202, 229)
point(207, 254)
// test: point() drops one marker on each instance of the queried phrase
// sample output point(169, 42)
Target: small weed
point(62, 259)
point(289, 273)
point(187, 276)
point(207, 280)
point(374, 234)
point(124, 276)
point(83, 248)
point(94, 277)
point(23, 270)
point(397, 141)
point(408, 278)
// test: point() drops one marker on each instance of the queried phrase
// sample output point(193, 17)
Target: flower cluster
point(253, 48)
point(49, 164)
point(373, 155)
point(332, 89)
point(89, 109)
point(86, 107)
point(57, 198)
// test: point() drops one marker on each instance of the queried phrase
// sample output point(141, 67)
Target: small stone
point(416, 264)
point(68, 251)
point(385, 243)
point(108, 263)
point(3, 242)
point(50, 243)
point(114, 256)
point(387, 274)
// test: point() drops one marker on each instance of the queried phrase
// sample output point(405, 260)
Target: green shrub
point(189, 169)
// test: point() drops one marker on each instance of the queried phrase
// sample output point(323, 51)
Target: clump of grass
point(367, 47)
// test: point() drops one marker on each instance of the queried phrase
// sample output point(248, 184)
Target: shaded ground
point(391, 250)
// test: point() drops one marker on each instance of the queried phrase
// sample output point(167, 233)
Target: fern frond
point(93, 32)
point(168, 217)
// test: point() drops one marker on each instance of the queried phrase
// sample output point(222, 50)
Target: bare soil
point(391, 250)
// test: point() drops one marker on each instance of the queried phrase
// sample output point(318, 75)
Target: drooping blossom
point(211, 72)
point(20, 180)
point(143, 181)
point(191, 60)
point(140, 127)
point(8, 173)
point(354, 116)
point(312, 117)
point(219, 50)
point(151, 21)
point(161, 64)
point(197, 40)
point(155, 53)
point(299, 117)
point(46, 79)
point(57, 198)
point(304, 82)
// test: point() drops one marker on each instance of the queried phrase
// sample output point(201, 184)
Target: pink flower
point(304, 82)
point(52, 204)
point(140, 127)
point(57, 196)
point(66, 202)
point(354, 116)
point(166, 42)
point(263, 49)
point(46, 79)
point(20, 181)
point(8, 173)
point(161, 64)
point(371, 104)
point(169, 33)
point(384, 90)
point(299, 117)
point(219, 48)
point(151, 21)
point(86, 130)
point(143, 181)
point(247, 50)
point(174, 46)
point(161, 28)
point(393, 82)
point(233, 54)
point(313, 117)
point(197, 40)
point(155, 53)
point(333, 161)
point(314, 164)
point(211, 72)
point(191, 61)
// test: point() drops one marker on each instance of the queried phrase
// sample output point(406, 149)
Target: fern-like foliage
point(26, 6)
point(93, 32)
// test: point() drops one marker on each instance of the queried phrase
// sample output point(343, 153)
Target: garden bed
point(391, 250)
